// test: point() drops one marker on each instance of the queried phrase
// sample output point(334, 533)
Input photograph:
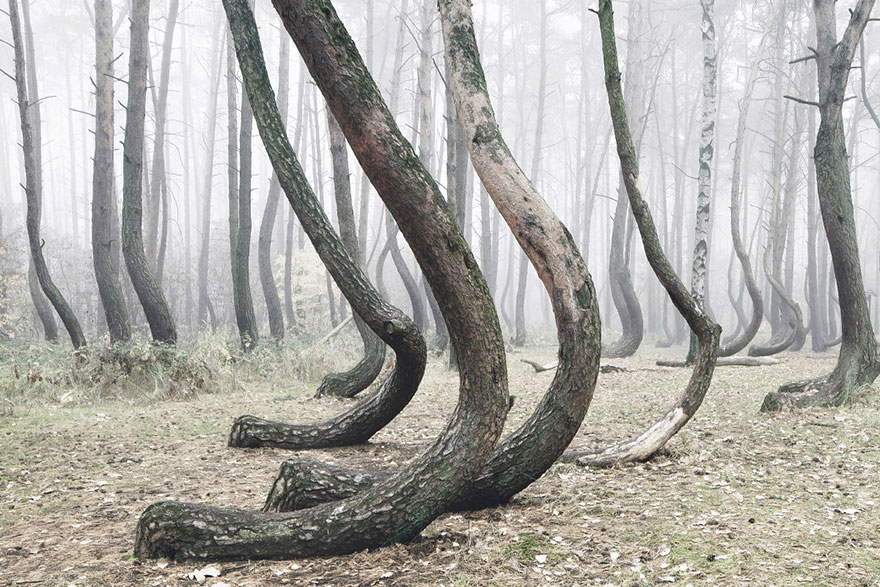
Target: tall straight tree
point(857, 364)
point(707, 151)
point(264, 244)
point(148, 291)
point(105, 217)
point(205, 306)
point(158, 195)
point(28, 110)
point(239, 162)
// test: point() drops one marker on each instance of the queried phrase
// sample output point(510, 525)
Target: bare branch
point(802, 101)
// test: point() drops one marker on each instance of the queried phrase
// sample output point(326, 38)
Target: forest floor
point(737, 498)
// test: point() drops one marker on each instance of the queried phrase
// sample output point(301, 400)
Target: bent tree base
point(353, 426)
point(846, 384)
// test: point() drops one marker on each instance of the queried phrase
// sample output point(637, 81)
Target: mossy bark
point(398, 508)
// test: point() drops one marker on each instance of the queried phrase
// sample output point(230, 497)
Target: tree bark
point(240, 208)
point(534, 446)
point(707, 151)
point(400, 507)
point(623, 293)
point(105, 231)
point(264, 245)
point(28, 110)
point(708, 333)
point(857, 364)
point(150, 295)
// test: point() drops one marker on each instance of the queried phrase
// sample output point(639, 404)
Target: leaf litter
point(737, 498)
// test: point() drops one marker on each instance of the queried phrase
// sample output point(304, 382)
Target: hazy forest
point(439, 292)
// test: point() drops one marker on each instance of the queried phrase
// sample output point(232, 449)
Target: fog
point(572, 161)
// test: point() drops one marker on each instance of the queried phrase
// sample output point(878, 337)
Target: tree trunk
point(623, 292)
point(519, 337)
point(288, 249)
point(737, 343)
point(150, 295)
point(707, 151)
point(351, 382)
point(41, 304)
point(264, 245)
point(534, 446)
point(708, 333)
point(104, 229)
point(29, 116)
point(205, 307)
point(402, 506)
point(857, 363)
point(158, 181)
point(240, 210)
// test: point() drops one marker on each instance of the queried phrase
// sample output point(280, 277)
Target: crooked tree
point(706, 332)
point(857, 363)
point(531, 449)
point(398, 508)
point(28, 110)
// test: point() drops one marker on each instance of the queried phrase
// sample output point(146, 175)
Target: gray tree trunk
point(105, 228)
point(402, 506)
point(29, 117)
point(857, 363)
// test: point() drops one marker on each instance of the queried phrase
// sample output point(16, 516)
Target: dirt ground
point(737, 498)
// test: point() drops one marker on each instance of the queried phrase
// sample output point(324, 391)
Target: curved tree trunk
point(707, 333)
point(150, 295)
point(30, 134)
point(264, 244)
point(41, 304)
point(403, 505)
point(738, 343)
point(795, 328)
point(358, 378)
point(533, 447)
point(623, 293)
point(105, 232)
point(857, 363)
point(409, 282)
